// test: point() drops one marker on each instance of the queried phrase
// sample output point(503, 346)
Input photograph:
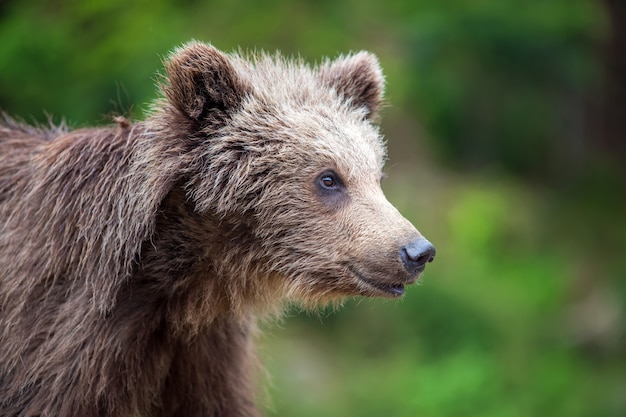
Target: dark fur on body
point(135, 258)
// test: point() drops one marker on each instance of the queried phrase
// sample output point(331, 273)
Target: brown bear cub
point(136, 258)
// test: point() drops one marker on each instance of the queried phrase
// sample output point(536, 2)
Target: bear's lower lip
point(396, 290)
point(392, 290)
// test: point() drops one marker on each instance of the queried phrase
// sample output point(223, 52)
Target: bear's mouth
point(393, 290)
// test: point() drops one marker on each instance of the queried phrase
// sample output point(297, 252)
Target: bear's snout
point(416, 254)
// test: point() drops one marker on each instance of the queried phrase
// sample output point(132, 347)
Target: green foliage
point(492, 74)
point(523, 311)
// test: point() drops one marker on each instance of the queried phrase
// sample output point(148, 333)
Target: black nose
point(416, 254)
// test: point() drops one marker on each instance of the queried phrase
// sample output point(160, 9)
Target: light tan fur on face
point(136, 258)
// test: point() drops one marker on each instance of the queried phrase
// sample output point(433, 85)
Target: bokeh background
point(507, 143)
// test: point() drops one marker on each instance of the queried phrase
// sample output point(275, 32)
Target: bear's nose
point(416, 254)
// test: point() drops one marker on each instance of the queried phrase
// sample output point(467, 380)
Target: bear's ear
point(201, 79)
point(358, 78)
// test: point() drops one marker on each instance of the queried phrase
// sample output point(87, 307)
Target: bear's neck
point(182, 303)
point(182, 270)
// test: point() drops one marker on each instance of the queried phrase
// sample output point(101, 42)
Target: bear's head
point(288, 164)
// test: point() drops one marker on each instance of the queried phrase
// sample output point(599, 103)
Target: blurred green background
point(506, 129)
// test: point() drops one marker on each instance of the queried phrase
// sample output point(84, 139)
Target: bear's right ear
point(201, 79)
point(358, 78)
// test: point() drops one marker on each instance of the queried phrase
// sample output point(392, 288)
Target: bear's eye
point(329, 181)
point(331, 190)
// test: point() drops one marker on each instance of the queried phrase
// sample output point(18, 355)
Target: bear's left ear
point(358, 78)
point(201, 79)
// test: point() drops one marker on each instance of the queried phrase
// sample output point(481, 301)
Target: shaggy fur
point(136, 258)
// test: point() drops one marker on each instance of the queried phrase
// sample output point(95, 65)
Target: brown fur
point(136, 258)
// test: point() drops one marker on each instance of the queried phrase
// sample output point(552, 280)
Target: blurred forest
point(506, 127)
